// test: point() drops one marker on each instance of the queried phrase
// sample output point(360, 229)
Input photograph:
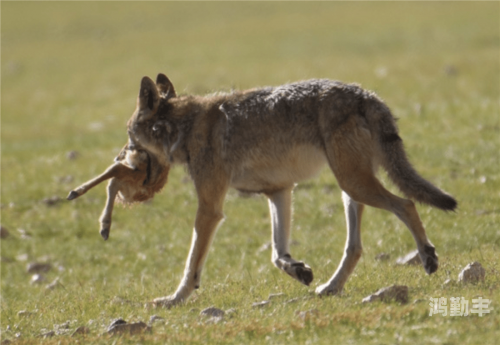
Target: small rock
point(116, 322)
point(214, 320)
point(4, 233)
point(382, 257)
point(129, 328)
point(399, 293)
point(82, 330)
point(260, 304)
point(72, 155)
point(472, 273)
point(37, 279)
point(52, 201)
point(212, 311)
point(38, 267)
point(412, 258)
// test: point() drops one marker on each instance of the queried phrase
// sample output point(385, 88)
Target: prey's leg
point(112, 171)
point(105, 219)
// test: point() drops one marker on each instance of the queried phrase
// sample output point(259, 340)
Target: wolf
point(266, 140)
point(136, 176)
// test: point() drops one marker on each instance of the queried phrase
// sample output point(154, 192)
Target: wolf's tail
point(396, 163)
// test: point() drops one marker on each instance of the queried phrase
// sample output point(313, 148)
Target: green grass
point(70, 76)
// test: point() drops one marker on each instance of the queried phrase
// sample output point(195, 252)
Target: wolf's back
point(396, 163)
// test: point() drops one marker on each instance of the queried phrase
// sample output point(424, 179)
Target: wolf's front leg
point(353, 248)
point(280, 207)
point(208, 217)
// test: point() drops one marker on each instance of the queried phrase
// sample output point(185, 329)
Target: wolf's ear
point(165, 86)
point(149, 98)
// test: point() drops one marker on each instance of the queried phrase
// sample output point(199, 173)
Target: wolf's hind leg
point(374, 194)
point(351, 162)
point(280, 207)
point(353, 248)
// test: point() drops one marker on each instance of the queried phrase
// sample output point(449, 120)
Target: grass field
point(70, 75)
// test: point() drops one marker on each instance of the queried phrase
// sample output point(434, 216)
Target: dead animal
point(136, 176)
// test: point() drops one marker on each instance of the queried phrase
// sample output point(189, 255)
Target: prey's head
point(133, 156)
point(140, 160)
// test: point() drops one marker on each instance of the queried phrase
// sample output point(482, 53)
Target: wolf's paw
point(166, 302)
point(429, 259)
point(328, 289)
point(302, 272)
point(295, 269)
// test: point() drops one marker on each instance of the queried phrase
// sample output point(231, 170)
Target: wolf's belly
point(274, 171)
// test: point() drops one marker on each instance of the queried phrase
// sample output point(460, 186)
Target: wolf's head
point(151, 125)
